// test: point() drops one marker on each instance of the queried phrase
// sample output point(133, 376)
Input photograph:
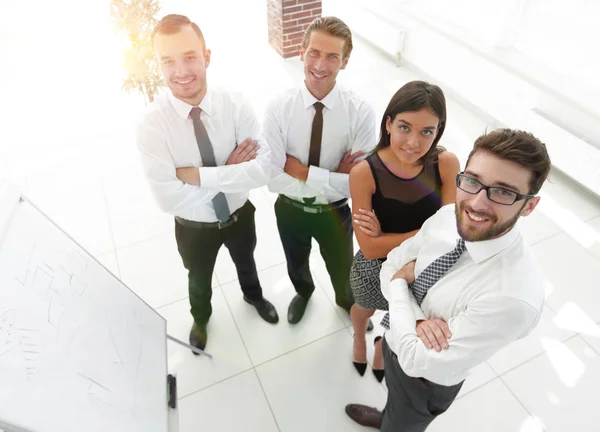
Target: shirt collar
point(183, 108)
point(482, 250)
point(328, 101)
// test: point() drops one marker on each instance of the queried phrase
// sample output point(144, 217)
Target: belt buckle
point(233, 219)
point(310, 210)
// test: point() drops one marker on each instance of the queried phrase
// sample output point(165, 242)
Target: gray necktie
point(432, 273)
point(208, 159)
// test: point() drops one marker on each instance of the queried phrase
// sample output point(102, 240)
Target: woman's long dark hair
point(414, 96)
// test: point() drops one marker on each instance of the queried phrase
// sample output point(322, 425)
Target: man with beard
point(202, 152)
point(464, 287)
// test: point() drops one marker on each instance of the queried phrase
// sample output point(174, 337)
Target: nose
point(480, 201)
point(180, 69)
point(413, 141)
point(319, 64)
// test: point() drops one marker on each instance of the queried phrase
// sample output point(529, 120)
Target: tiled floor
point(298, 378)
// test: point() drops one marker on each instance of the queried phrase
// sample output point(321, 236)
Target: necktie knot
point(318, 106)
point(195, 113)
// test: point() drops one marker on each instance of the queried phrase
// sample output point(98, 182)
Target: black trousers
point(333, 231)
point(199, 247)
point(413, 403)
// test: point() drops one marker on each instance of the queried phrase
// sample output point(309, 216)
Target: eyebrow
point(512, 187)
point(427, 127)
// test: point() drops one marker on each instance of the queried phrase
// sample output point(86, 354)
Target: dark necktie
point(314, 153)
point(432, 273)
point(208, 159)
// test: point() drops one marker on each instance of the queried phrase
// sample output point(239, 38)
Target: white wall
point(479, 52)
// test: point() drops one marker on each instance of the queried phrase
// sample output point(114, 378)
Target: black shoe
point(379, 373)
point(364, 415)
point(296, 309)
point(360, 367)
point(265, 309)
point(198, 337)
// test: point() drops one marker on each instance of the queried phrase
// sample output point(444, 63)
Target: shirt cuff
point(209, 177)
point(317, 177)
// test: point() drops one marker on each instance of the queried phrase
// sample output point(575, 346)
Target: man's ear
point(345, 62)
point(530, 206)
point(206, 57)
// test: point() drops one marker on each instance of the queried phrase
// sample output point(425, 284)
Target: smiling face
point(323, 59)
point(412, 134)
point(183, 61)
point(478, 218)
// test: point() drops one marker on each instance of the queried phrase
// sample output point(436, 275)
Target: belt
point(314, 208)
point(219, 225)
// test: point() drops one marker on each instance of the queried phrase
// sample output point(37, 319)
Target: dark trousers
point(413, 403)
point(333, 231)
point(199, 247)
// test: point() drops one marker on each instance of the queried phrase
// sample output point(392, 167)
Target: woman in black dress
point(394, 190)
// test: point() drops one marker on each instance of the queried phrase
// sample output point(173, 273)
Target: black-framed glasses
point(496, 194)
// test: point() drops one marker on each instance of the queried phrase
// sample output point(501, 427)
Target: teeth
point(185, 82)
point(475, 218)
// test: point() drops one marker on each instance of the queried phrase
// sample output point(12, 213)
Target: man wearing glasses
point(464, 287)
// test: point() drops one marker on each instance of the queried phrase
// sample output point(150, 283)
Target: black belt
point(219, 225)
point(314, 208)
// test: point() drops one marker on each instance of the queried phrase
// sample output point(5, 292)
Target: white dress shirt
point(492, 296)
point(348, 125)
point(167, 141)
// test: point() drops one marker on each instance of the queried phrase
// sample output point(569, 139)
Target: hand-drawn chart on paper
point(78, 350)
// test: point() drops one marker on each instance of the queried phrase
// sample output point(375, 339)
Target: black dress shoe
point(296, 309)
point(265, 309)
point(379, 373)
point(198, 337)
point(364, 415)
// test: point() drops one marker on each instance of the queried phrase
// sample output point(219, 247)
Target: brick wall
point(287, 20)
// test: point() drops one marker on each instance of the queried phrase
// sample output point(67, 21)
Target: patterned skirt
point(365, 284)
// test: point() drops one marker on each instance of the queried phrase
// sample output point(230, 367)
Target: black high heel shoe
point(379, 373)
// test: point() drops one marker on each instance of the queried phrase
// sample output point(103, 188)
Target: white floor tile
point(480, 375)
point(154, 270)
point(537, 227)
point(594, 246)
point(574, 278)
point(229, 356)
point(109, 260)
point(235, 405)
point(309, 388)
point(77, 207)
point(520, 351)
point(265, 341)
point(562, 197)
point(491, 408)
point(560, 387)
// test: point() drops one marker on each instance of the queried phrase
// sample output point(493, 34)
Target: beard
point(473, 235)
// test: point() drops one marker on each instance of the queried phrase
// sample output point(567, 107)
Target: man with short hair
point(202, 152)
point(464, 287)
point(317, 132)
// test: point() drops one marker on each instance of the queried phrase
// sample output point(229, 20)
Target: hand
point(244, 152)
point(295, 168)
point(367, 222)
point(189, 175)
point(407, 273)
point(434, 333)
point(348, 161)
